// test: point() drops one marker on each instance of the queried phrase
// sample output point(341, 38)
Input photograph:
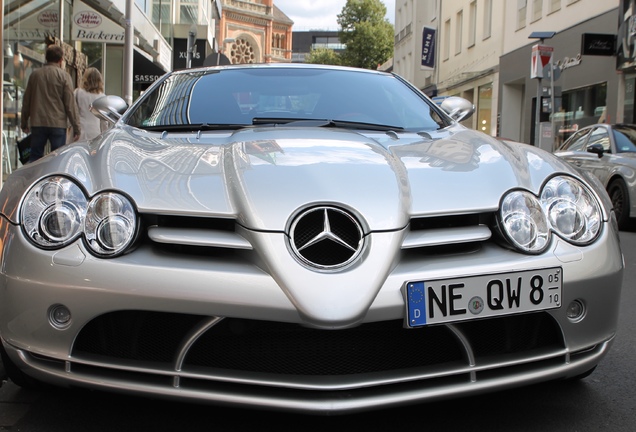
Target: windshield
point(240, 97)
point(625, 137)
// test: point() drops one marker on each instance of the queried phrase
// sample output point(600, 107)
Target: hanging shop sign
point(92, 26)
point(145, 71)
point(598, 44)
point(180, 53)
point(428, 48)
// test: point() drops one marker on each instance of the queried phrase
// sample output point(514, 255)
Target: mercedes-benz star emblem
point(326, 238)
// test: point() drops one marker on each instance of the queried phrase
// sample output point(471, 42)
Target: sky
point(321, 15)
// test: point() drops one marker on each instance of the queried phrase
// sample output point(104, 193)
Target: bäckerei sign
point(91, 26)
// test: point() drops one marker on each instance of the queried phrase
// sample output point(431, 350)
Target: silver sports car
point(306, 238)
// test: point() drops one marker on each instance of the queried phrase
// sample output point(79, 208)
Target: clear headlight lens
point(566, 207)
point(53, 211)
point(110, 223)
point(524, 221)
point(56, 212)
point(572, 211)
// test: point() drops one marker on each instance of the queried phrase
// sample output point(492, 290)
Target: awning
point(145, 71)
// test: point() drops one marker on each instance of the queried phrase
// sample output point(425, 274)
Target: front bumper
point(210, 290)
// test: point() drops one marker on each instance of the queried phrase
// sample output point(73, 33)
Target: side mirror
point(596, 149)
point(109, 108)
point(458, 108)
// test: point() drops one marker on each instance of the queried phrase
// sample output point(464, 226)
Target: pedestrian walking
point(91, 88)
point(49, 105)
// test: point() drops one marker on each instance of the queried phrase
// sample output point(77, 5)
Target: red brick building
point(255, 31)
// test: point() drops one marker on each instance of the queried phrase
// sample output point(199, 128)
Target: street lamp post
point(192, 40)
point(129, 34)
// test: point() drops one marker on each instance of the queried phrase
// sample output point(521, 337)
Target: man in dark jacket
point(49, 106)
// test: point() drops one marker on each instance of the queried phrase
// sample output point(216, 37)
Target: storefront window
point(26, 30)
point(94, 54)
point(630, 83)
point(578, 108)
point(484, 109)
point(67, 22)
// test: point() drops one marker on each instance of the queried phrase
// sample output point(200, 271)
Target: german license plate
point(464, 298)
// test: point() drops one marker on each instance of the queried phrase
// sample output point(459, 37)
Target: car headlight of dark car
point(56, 211)
point(565, 207)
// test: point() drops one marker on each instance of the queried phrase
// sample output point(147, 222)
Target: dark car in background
point(608, 151)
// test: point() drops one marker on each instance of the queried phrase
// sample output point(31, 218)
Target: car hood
point(263, 176)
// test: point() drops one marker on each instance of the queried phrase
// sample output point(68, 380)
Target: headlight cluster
point(55, 212)
point(565, 207)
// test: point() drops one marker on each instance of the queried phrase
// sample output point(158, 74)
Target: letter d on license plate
point(464, 298)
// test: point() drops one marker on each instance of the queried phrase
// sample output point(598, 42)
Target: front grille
point(135, 335)
point(510, 335)
point(290, 349)
point(451, 221)
point(259, 346)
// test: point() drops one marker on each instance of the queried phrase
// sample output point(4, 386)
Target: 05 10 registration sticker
point(464, 298)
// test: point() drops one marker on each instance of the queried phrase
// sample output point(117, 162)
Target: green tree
point(323, 56)
point(368, 36)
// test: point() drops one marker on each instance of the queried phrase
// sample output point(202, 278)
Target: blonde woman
point(91, 88)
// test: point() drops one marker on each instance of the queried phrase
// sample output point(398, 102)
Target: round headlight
point(52, 211)
point(573, 212)
point(110, 224)
point(523, 222)
point(60, 223)
point(114, 232)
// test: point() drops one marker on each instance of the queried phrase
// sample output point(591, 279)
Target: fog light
point(59, 316)
point(576, 310)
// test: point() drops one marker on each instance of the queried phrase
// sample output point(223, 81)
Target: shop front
point(583, 88)
point(91, 33)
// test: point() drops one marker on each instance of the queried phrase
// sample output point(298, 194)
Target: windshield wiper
point(324, 123)
point(273, 121)
point(194, 127)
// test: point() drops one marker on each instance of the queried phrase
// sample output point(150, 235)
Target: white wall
point(570, 13)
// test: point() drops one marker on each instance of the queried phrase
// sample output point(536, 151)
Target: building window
point(242, 52)
point(143, 5)
point(555, 5)
point(521, 13)
point(327, 42)
point(472, 23)
point(458, 32)
point(447, 33)
point(188, 11)
point(537, 10)
point(487, 18)
point(578, 108)
point(161, 14)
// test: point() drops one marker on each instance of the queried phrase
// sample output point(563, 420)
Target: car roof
point(279, 66)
